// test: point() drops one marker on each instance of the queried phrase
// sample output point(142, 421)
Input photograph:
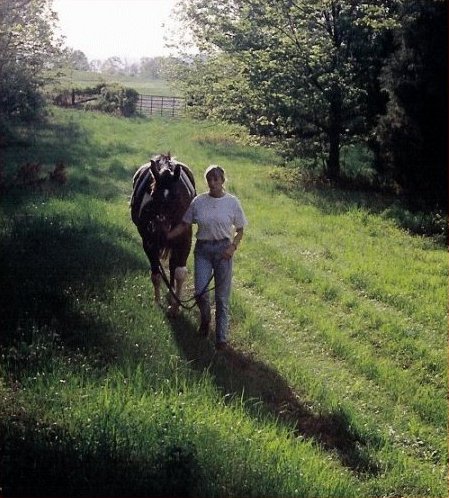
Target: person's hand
point(229, 252)
point(178, 230)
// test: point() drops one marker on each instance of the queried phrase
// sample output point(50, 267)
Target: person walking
point(221, 221)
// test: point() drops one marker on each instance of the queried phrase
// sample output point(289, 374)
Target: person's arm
point(234, 244)
point(237, 237)
point(178, 230)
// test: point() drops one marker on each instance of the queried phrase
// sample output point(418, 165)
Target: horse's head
point(166, 174)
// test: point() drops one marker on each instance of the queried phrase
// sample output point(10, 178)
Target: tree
point(28, 48)
point(113, 65)
point(301, 63)
point(152, 67)
point(95, 65)
point(412, 136)
point(132, 69)
point(78, 60)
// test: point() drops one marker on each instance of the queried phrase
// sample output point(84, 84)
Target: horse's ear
point(154, 170)
point(177, 172)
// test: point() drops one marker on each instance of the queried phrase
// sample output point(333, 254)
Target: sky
point(130, 29)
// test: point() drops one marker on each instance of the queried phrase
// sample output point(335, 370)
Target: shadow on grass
point(68, 141)
point(73, 146)
point(343, 197)
point(46, 264)
point(238, 374)
point(41, 460)
point(330, 198)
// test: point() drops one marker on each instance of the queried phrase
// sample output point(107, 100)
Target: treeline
point(326, 75)
point(153, 68)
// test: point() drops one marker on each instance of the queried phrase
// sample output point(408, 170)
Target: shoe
point(204, 329)
point(221, 346)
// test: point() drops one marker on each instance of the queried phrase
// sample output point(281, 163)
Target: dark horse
point(162, 191)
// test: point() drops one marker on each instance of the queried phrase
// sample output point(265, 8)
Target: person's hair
point(215, 170)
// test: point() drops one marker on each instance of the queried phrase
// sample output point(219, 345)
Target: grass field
point(83, 79)
point(336, 385)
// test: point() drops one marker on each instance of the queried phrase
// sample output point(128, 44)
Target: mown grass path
point(336, 384)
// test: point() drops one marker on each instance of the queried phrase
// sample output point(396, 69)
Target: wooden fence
point(160, 105)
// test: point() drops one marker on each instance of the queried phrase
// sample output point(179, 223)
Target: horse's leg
point(178, 269)
point(177, 277)
point(156, 280)
point(155, 274)
point(180, 278)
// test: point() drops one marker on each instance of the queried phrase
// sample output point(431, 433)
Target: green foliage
point(111, 98)
point(298, 70)
point(27, 43)
point(154, 68)
point(78, 60)
point(412, 136)
point(116, 99)
point(322, 76)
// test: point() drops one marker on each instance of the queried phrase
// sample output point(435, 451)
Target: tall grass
point(337, 382)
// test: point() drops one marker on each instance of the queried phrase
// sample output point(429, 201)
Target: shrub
point(115, 99)
point(111, 98)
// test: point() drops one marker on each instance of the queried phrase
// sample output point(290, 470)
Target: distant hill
point(78, 79)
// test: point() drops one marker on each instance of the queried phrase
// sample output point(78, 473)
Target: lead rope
point(182, 302)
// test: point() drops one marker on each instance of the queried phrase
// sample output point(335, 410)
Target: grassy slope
point(82, 79)
point(337, 383)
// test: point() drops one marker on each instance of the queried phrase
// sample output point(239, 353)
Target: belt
point(212, 241)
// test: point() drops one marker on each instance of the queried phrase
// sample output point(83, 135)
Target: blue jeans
point(208, 259)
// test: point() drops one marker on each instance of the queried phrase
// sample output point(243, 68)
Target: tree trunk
point(334, 134)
